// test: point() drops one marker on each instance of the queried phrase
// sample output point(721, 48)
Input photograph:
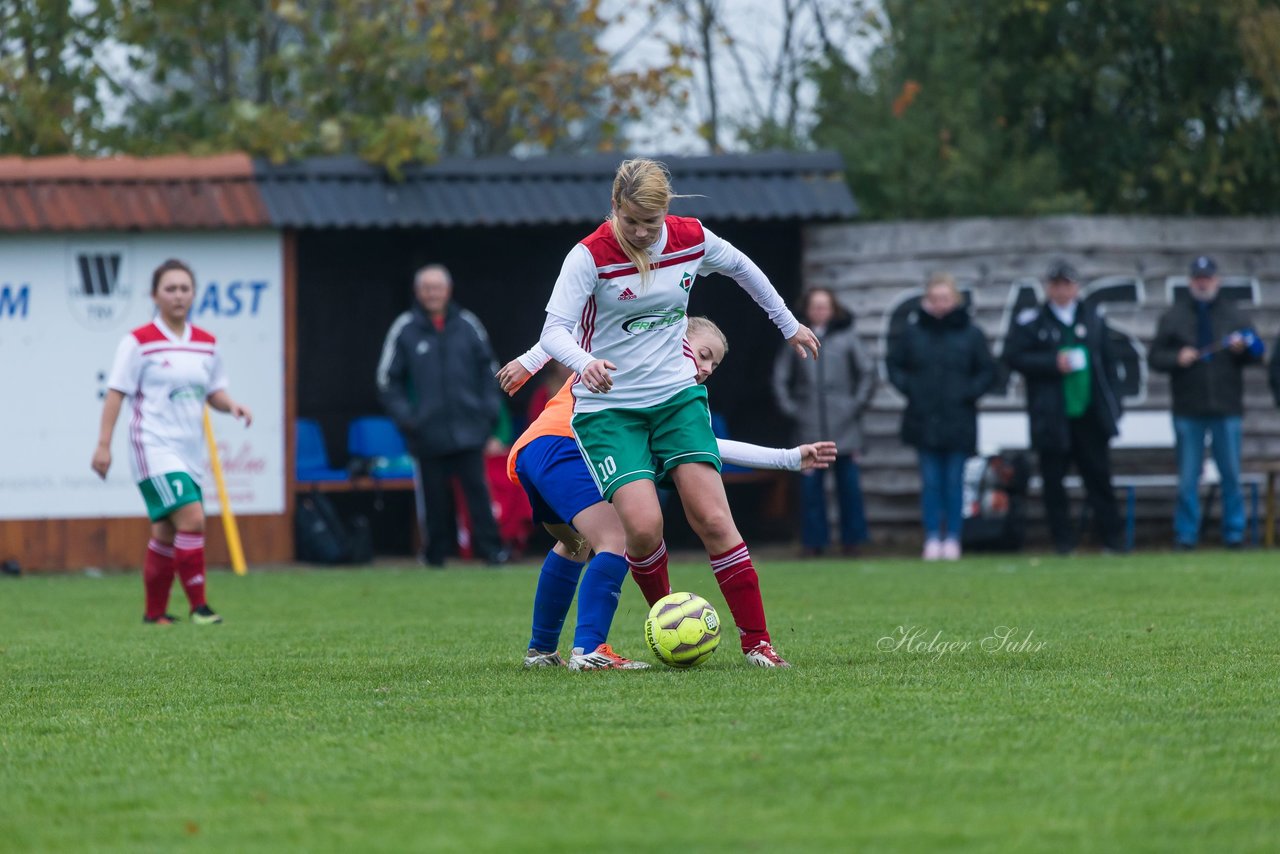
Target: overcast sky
point(757, 28)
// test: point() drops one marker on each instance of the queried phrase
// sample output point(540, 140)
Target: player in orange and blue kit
point(546, 462)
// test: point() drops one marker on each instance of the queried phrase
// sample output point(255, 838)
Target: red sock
point(741, 588)
point(650, 574)
point(188, 559)
point(157, 577)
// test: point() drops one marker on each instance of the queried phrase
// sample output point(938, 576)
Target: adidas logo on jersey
point(626, 294)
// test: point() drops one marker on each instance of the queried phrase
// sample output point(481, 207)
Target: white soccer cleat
point(764, 655)
point(533, 658)
point(603, 658)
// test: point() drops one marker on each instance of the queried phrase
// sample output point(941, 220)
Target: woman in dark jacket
point(825, 398)
point(942, 365)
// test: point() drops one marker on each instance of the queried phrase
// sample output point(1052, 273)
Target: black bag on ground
point(995, 504)
point(360, 539)
point(322, 537)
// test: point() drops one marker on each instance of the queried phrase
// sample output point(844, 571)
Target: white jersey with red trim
point(166, 379)
point(641, 328)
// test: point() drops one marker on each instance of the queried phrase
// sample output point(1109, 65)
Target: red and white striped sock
point(188, 559)
point(740, 585)
point(650, 574)
point(157, 577)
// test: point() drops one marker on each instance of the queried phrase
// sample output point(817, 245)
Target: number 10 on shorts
point(607, 468)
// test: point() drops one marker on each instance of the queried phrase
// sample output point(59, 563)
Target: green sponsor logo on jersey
point(649, 321)
point(187, 392)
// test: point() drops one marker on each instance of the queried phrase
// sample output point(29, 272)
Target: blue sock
point(556, 585)
point(598, 599)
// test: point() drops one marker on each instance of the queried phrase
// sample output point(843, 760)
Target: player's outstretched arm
point(817, 455)
point(521, 369)
point(805, 342)
point(512, 377)
point(800, 458)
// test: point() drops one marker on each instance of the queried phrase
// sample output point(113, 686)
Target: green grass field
point(386, 710)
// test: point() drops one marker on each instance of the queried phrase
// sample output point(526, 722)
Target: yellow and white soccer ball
point(682, 630)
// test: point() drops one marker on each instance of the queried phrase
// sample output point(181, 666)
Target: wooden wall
point(72, 544)
point(874, 268)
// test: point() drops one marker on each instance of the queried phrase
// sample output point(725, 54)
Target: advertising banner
point(66, 301)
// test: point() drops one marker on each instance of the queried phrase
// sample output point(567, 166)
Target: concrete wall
point(1130, 264)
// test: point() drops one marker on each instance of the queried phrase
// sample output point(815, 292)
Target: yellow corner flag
point(228, 518)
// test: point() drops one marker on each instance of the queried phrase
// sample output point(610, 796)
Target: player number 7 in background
point(607, 468)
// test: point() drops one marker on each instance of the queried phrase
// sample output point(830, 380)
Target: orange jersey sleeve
point(554, 421)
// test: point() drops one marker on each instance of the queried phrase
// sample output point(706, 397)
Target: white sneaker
point(932, 549)
point(604, 658)
point(533, 658)
point(764, 655)
point(950, 549)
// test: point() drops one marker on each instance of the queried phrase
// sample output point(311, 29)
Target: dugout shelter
point(302, 267)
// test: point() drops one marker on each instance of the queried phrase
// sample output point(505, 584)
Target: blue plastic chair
point(311, 461)
point(375, 438)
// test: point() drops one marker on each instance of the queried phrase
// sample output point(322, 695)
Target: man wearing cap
point(1204, 344)
point(1063, 351)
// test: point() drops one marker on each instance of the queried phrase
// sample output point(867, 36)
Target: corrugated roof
point(129, 193)
point(344, 192)
point(233, 191)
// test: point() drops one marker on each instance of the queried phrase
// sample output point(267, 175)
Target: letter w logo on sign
point(99, 273)
point(99, 288)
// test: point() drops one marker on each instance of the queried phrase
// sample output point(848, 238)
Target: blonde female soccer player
point(167, 370)
point(545, 461)
point(639, 413)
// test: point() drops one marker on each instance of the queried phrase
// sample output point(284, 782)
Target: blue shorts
point(556, 479)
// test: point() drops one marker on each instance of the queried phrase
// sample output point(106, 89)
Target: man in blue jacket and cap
point(1204, 343)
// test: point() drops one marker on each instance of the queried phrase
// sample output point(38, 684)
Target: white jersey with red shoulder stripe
point(166, 379)
point(639, 327)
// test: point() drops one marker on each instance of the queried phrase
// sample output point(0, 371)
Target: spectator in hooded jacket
point(825, 399)
point(1064, 352)
point(942, 365)
point(1204, 344)
point(435, 379)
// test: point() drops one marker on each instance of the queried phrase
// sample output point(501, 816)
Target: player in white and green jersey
point(638, 413)
point(167, 370)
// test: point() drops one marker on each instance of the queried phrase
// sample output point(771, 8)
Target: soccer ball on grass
point(682, 630)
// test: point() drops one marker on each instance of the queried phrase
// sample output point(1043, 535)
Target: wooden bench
point(1269, 471)
point(1141, 431)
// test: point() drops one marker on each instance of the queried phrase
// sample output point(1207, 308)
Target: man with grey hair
point(436, 381)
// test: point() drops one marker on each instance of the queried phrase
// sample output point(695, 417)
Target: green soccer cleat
point(205, 616)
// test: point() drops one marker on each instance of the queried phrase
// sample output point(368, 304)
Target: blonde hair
point(707, 326)
point(646, 185)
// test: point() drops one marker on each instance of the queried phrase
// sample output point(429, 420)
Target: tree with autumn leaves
point(391, 82)
point(1023, 107)
point(1009, 107)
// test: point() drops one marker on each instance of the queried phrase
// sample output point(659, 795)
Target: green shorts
point(622, 445)
point(165, 493)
